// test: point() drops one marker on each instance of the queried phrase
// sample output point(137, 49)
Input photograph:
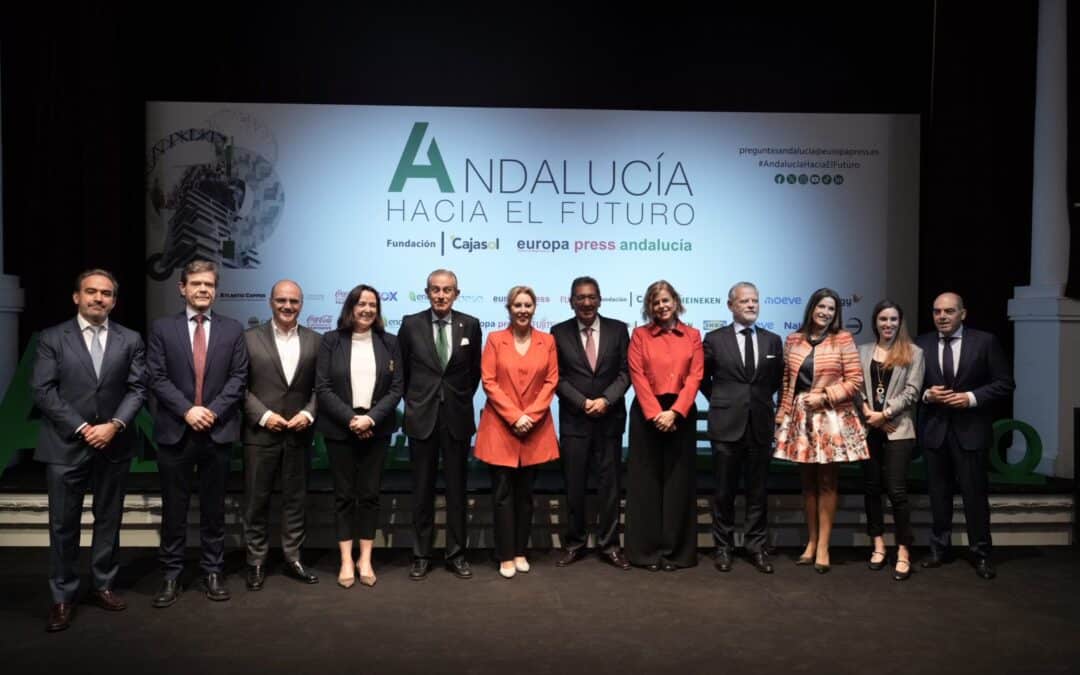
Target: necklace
point(879, 389)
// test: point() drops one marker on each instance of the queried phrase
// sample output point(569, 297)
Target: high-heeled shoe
point(365, 579)
point(821, 569)
point(906, 574)
point(875, 566)
point(805, 560)
point(346, 582)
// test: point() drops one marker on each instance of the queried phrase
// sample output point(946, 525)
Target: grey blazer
point(905, 387)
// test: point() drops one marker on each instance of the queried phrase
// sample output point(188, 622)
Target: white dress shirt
point(288, 349)
point(362, 370)
point(191, 327)
point(956, 345)
point(741, 340)
point(88, 337)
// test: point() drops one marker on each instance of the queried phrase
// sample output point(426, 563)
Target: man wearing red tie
point(197, 363)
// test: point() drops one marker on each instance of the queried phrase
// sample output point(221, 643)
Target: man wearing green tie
point(440, 355)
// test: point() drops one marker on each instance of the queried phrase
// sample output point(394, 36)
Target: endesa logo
point(319, 321)
point(385, 296)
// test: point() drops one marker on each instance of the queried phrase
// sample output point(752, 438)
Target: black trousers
point(888, 464)
point(177, 467)
point(512, 509)
point(67, 485)
point(424, 457)
point(603, 453)
point(750, 461)
point(661, 518)
point(263, 464)
point(945, 468)
point(357, 468)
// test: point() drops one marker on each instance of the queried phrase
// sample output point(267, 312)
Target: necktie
point(442, 345)
point(748, 353)
point(948, 371)
point(198, 352)
point(590, 347)
point(97, 352)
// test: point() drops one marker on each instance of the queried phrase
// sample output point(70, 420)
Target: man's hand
point(938, 393)
point(276, 422)
point(957, 399)
point(200, 418)
point(299, 422)
point(99, 436)
point(596, 407)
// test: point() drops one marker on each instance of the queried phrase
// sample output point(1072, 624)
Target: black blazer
point(67, 393)
point(171, 368)
point(734, 399)
point(427, 384)
point(333, 386)
point(268, 390)
point(982, 370)
point(577, 381)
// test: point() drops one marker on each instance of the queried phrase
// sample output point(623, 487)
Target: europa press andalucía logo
point(213, 193)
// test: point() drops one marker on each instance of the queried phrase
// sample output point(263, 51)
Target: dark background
point(74, 94)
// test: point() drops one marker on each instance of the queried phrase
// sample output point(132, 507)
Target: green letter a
point(407, 168)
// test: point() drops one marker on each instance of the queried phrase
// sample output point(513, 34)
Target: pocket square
point(770, 356)
point(464, 341)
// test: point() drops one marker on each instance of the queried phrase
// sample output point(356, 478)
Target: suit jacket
point(67, 393)
point(837, 371)
point(982, 370)
point(171, 367)
point(902, 394)
point(427, 384)
point(333, 384)
point(577, 381)
point(268, 390)
point(735, 399)
point(518, 385)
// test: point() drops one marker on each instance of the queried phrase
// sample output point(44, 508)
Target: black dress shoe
point(168, 594)
point(459, 566)
point(419, 568)
point(256, 577)
point(108, 600)
point(931, 561)
point(723, 560)
point(615, 558)
point(296, 570)
point(215, 587)
point(761, 563)
point(60, 617)
point(571, 556)
point(653, 567)
point(985, 569)
point(668, 566)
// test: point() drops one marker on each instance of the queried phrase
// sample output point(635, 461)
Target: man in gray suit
point(88, 383)
point(279, 412)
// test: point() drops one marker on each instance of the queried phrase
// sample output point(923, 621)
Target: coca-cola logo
point(320, 322)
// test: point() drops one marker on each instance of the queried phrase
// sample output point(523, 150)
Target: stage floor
point(589, 618)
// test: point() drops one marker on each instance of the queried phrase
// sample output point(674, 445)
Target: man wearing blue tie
point(966, 372)
point(88, 383)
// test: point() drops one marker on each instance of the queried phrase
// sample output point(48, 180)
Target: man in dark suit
point(279, 414)
point(197, 364)
point(440, 354)
point(744, 366)
point(593, 379)
point(966, 373)
point(88, 383)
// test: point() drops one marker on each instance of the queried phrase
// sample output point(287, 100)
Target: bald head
point(949, 313)
point(286, 301)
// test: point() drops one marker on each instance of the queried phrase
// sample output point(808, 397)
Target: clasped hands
point(877, 420)
point(666, 421)
point(362, 425)
point(276, 422)
point(523, 425)
point(98, 436)
point(595, 407)
point(947, 397)
point(200, 418)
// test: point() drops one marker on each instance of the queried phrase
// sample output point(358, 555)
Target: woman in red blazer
point(817, 425)
point(666, 363)
point(519, 371)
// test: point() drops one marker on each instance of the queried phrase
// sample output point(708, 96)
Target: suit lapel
point(382, 359)
point(307, 353)
point(114, 345)
point(731, 345)
point(428, 337)
point(267, 335)
point(457, 331)
point(214, 343)
point(968, 347)
point(77, 345)
point(181, 326)
point(933, 361)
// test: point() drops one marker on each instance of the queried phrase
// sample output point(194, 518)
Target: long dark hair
point(816, 297)
point(900, 352)
point(345, 319)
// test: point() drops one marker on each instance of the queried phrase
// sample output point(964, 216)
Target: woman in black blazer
point(358, 383)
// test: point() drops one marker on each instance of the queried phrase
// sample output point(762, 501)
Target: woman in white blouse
point(358, 383)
